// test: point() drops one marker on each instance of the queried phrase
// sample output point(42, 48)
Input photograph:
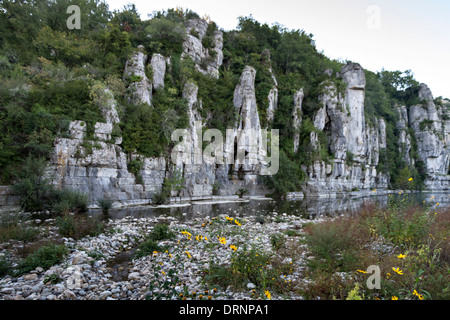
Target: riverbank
point(86, 274)
point(233, 255)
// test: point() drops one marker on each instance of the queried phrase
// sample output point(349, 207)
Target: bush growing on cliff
point(288, 179)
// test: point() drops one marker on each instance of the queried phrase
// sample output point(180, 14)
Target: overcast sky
point(394, 35)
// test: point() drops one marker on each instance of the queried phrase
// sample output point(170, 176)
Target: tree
point(33, 185)
point(288, 179)
point(165, 36)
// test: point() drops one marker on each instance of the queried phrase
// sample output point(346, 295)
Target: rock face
point(354, 78)
point(158, 64)
point(273, 99)
point(297, 117)
point(247, 133)
point(432, 137)
point(140, 87)
point(207, 60)
point(355, 145)
point(199, 176)
point(99, 167)
point(404, 140)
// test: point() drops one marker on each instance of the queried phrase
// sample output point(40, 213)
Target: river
point(308, 208)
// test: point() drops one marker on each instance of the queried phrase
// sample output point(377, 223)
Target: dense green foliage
point(50, 76)
point(45, 257)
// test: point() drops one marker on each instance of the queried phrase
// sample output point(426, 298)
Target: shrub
point(32, 184)
point(241, 192)
point(247, 265)
point(161, 232)
point(288, 179)
point(45, 257)
point(161, 197)
point(5, 266)
point(402, 224)
point(78, 227)
point(277, 241)
point(334, 244)
point(15, 228)
point(67, 200)
point(105, 204)
point(147, 248)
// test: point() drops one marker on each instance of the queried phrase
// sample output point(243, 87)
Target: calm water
point(306, 208)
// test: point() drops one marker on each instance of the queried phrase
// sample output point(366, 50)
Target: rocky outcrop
point(99, 168)
point(404, 138)
point(297, 117)
point(207, 60)
point(158, 64)
point(431, 132)
point(272, 98)
point(243, 146)
point(199, 176)
point(353, 76)
point(139, 88)
point(354, 145)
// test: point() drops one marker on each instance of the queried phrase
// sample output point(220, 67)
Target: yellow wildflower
point(229, 219)
point(238, 223)
point(268, 295)
point(394, 298)
point(415, 293)
point(401, 256)
point(410, 179)
point(222, 240)
point(233, 247)
point(361, 271)
point(398, 271)
point(188, 254)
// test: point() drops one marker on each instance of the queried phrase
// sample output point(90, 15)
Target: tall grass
point(409, 244)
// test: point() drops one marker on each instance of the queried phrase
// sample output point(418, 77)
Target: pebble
point(31, 276)
point(104, 295)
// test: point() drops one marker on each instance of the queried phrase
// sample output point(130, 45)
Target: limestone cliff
point(354, 145)
point(431, 130)
point(97, 165)
point(207, 60)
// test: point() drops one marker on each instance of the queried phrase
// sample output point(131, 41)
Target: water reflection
point(306, 208)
